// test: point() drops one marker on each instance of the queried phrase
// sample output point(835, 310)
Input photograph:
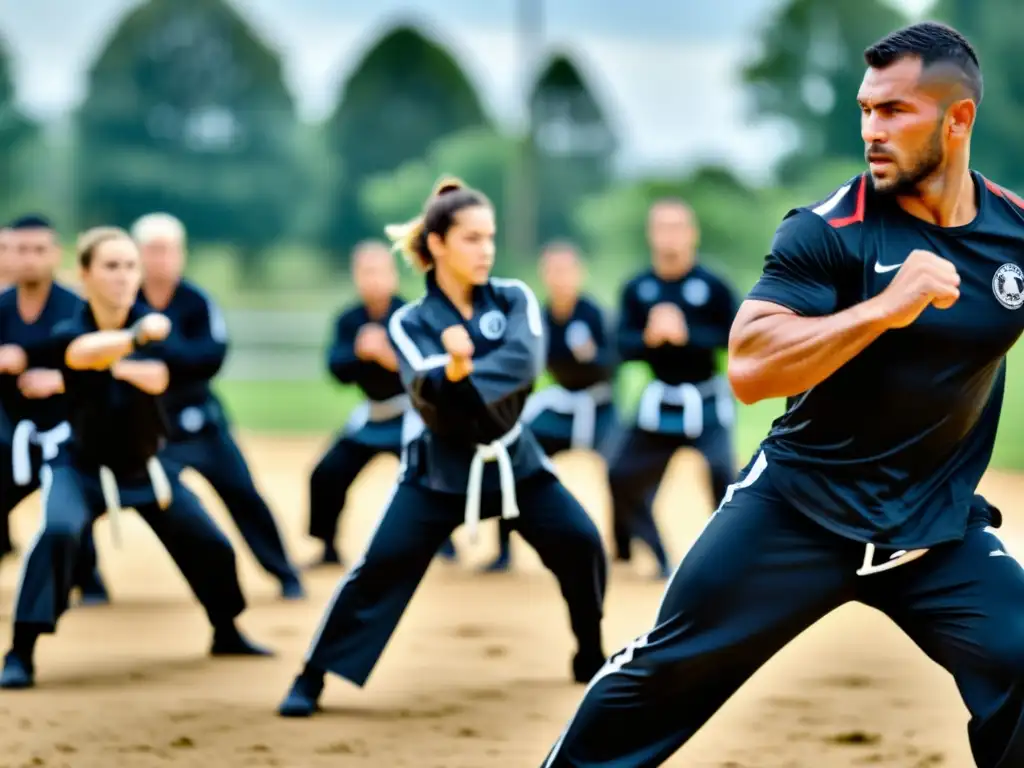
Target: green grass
point(319, 406)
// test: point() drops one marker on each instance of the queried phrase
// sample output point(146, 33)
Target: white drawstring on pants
point(493, 451)
point(895, 560)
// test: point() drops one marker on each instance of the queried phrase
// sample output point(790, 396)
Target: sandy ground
point(476, 677)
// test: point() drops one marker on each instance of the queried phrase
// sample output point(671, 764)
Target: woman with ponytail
point(469, 352)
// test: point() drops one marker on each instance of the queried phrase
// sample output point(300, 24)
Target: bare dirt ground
point(476, 677)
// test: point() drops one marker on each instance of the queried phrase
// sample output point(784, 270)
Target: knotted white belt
point(27, 434)
point(581, 405)
point(494, 451)
point(691, 397)
point(112, 495)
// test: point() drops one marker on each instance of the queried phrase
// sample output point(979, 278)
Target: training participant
point(114, 380)
point(577, 411)
point(469, 353)
point(362, 354)
point(675, 317)
point(200, 435)
point(32, 397)
point(883, 315)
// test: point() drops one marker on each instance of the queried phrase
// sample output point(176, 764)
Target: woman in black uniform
point(469, 351)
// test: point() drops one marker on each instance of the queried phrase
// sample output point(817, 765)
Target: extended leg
point(370, 600)
point(569, 544)
point(47, 571)
point(635, 468)
point(328, 490)
point(205, 558)
point(758, 575)
point(961, 604)
point(217, 458)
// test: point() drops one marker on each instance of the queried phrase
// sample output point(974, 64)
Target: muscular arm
point(774, 352)
point(792, 331)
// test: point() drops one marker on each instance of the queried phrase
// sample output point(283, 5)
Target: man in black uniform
point(33, 399)
point(118, 428)
point(361, 354)
point(675, 317)
point(200, 435)
point(884, 314)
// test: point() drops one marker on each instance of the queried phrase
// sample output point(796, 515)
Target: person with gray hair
point(200, 435)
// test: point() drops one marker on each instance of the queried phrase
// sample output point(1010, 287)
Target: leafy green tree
point(187, 111)
point(405, 95)
point(16, 134)
point(573, 147)
point(478, 156)
point(993, 29)
point(807, 72)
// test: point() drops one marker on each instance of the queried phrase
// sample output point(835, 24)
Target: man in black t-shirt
point(884, 315)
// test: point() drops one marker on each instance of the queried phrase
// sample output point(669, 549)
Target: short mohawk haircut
point(934, 43)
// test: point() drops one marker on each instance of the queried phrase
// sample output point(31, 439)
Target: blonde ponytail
point(411, 237)
point(409, 240)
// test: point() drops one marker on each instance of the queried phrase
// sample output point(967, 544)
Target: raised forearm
point(151, 376)
point(99, 350)
point(775, 353)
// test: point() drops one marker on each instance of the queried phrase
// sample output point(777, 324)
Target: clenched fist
point(457, 343)
point(924, 280)
point(152, 327)
point(13, 359)
point(665, 325)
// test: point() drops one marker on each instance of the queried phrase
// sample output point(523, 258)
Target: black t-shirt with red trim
point(891, 447)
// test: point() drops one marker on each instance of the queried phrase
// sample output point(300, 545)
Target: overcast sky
point(664, 69)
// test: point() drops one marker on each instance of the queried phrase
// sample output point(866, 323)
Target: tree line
point(186, 109)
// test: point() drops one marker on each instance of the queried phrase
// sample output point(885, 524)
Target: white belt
point(494, 451)
point(392, 408)
point(895, 560)
point(581, 405)
point(27, 434)
point(377, 410)
point(691, 397)
point(112, 496)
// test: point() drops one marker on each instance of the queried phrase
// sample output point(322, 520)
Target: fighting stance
point(469, 352)
point(113, 384)
point(33, 397)
point(361, 354)
point(675, 317)
point(578, 411)
point(199, 431)
point(884, 314)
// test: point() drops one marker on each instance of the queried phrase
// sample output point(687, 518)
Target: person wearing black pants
point(578, 411)
point(674, 317)
point(113, 384)
point(199, 430)
point(361, 354)
point(469, 351)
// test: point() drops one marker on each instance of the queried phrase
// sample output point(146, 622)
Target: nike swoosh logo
point(879, 268)
point(997, 553)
